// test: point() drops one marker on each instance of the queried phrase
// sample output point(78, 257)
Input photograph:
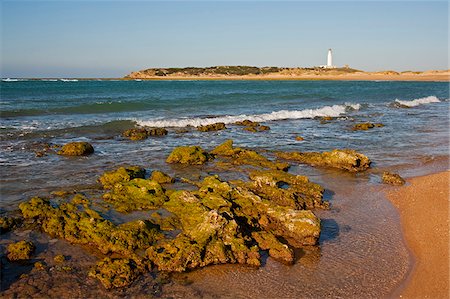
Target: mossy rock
point(193, 155)
point(60, 258)
point(21, 250)
point(121, 175)
point(76, 149)
point(135, 195)
point(161, 177)
point(115, 272)
point(247, 123)
point(226, 149)
point(143, 133)
point(366, 126)
point(85, 226)
point(286, 189)
point(349, 160)
point(212, 127)
point(279, 251)
point(299, 138)
point(392, 179)
point(8, 223)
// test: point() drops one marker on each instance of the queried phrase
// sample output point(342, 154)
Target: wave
point(417, 102)
point(333, 111)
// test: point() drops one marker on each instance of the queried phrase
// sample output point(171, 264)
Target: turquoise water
point(361, 230)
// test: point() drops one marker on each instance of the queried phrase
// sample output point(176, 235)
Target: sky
point(113, 38)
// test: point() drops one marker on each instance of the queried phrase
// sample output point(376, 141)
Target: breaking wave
point(334, 111)
point(417, 102)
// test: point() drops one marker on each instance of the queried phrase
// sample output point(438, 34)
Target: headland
point(284, 73)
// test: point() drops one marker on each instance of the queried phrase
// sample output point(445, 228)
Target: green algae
point(123, 174)
point(21, 250)
point(76, 149)
point(193, 155)
point(161, 177)
point(115, 272)
point(392, 179)
point(347, 159)
point(137, 194)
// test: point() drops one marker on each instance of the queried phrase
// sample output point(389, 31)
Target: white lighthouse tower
point(330, 59)
point(329, 64)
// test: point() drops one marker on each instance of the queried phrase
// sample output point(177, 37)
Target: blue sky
point(113, 38)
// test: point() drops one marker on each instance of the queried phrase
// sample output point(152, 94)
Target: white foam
point(417, 102)
point(333, 111)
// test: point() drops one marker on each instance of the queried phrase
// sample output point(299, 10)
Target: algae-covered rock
point(365, 126)
point(60, 258)
point(193, 155)
point(392, 179)
point(161, 177)
point(285, 189)
point(299, 138)
point(277, 250)
point(349, 160)
point(211, 127)
point(137, 194)
point(39, 266)
point(76, 149)
point(115, 273)
point(85, 226)
point(241, 156)
point(247, 123)
point(21, 250)
point(121, 175)
point(8, 223)
point(143, 133)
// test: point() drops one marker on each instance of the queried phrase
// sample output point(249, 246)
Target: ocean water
point(361, 251)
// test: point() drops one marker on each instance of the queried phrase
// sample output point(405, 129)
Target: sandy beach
point(423, 206)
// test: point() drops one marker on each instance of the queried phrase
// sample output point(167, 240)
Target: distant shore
point(275, 73)
point(424, 211)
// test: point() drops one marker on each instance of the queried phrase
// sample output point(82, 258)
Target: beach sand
point(424, 211)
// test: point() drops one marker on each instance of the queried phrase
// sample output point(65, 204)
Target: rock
point(279, 251)
point(135, 195)
point(39, 266)
point(263, 128)
point(193, 155)
point(241, 156)
point(365, 126)
point(285, 189)
point(326, 119)
point(136, 134)
point(299, 138)
point(161, 178)
point(115, 273)
point(349, 160)
point(8, 223)
point(211, 127)
point(247, 123)
point(85, 226)
point(392, 179)
point(143, 133)
point(121, 175)
point(251, 129)
point(21, 250)
point(76, 149)
point(59, 258)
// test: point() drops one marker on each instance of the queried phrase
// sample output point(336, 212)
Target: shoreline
point(425, 197)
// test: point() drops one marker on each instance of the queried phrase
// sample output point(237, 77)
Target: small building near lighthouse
point(329, 64)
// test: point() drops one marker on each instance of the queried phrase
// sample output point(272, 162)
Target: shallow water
point(361, 251)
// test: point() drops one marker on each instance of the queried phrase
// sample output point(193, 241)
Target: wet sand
point(424, 211)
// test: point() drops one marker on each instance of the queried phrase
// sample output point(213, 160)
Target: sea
point(362, 252)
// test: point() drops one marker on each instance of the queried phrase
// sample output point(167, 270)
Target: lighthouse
point(330, 59)
point(329, 64)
